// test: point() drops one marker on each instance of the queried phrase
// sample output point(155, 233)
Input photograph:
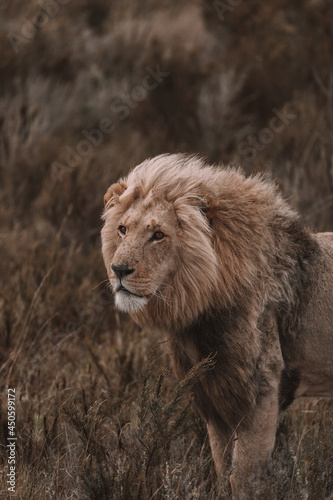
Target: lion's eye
point(158, 235)
point(122, 230)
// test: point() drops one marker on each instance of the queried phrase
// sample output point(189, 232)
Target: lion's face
point(140, 250)
point(159, 242)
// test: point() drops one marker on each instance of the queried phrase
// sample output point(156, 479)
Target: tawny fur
point(237, 274)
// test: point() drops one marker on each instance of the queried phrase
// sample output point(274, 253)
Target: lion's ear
point(209, 208)
point(112, 195)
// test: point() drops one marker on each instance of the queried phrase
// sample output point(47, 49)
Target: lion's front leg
point(221, 443)
point(254, 445)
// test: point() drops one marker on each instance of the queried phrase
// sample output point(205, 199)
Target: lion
point(222, 264)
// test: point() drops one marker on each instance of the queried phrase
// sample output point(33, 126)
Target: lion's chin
point(129, 303)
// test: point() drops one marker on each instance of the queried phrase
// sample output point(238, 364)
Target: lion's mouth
point(121, 288)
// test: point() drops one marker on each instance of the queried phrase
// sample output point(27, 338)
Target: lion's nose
point(121, 271)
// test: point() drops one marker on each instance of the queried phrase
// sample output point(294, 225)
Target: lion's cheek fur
point(188, 282)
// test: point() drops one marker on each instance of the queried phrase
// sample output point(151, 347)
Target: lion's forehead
point(146, 214)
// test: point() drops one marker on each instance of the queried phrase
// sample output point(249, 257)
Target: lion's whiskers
point(101, 283)
point(159, 295)
point(160, 284)
point(163, 297)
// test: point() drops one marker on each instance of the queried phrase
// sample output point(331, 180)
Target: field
point(88, 90)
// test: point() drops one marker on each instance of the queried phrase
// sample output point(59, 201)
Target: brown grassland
point(98, 413)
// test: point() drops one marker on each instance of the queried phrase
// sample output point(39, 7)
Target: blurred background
point(88, 89)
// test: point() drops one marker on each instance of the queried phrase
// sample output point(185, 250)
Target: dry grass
point(98, 414)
